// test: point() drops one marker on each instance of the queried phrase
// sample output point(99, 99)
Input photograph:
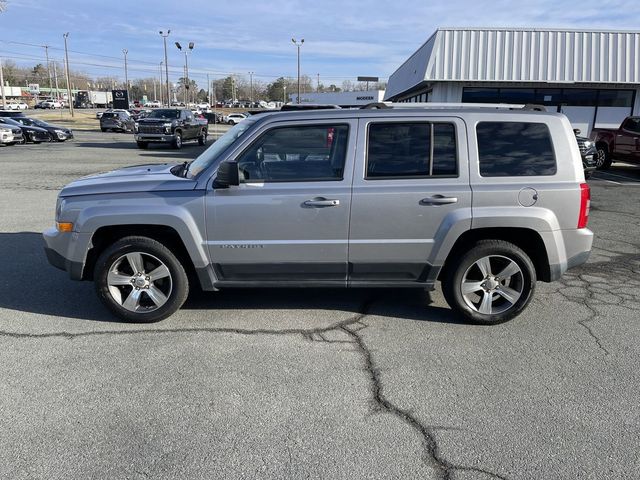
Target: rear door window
point(411, 149)
point(513, 149)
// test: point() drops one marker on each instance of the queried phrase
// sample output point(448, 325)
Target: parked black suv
point(171, 125)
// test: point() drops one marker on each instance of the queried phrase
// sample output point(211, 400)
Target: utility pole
point(126, 74)
point(46, 54)
point(55, 76)
point(208, 91)
point(298, 45)
point(318, 87)
point(66, 56)
point(284, 94)
point(4, 100)
point(166, 64)
point(251, 87)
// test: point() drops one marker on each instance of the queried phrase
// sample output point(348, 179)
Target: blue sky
point(342, 39)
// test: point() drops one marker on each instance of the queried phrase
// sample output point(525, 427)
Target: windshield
point(211, 154)
point(164, 113)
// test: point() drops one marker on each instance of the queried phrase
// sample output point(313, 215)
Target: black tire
point(177, 141)
point(103, 129)
point(143, 145)
point(177, 290)
point(202, 138)
point(230, 122)
point(587, 175)
point(603, 157)
point(502, 253)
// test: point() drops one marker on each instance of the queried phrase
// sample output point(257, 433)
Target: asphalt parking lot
point(310, 384)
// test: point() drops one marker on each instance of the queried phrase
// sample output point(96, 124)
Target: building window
point(412, 149)
point(513, 149)
point(615, 98)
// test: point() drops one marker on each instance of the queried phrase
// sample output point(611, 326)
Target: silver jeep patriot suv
point(488, 200)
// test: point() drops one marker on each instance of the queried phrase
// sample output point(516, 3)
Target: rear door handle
point(438, 200)
point(321, 202)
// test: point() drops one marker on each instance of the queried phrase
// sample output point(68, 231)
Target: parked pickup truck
point(622, 143)
point(170, 125)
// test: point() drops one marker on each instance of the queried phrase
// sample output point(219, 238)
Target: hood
point(155, 120)
point(57, 127)
point(138, 178)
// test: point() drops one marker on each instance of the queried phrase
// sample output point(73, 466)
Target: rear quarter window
point(513, 149)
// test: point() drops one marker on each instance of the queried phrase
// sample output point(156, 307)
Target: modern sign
point(120, 99)
point(368, 79)
point(34, 88)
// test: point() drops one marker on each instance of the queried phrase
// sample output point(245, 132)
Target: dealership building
point(343, 99)
point(592, 76)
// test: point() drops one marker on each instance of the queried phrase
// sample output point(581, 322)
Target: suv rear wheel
point(492, 283)
point(202, 138)
point(140, 280)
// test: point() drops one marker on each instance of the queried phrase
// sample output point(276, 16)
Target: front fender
point(176, 217)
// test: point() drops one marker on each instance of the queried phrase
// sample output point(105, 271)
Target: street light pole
point(298, 45)
point(251, 87)
point(126, 74)
point(4, 100)
point(186, 68)
point(160, 86)
point(166, 64)
point(66, 64)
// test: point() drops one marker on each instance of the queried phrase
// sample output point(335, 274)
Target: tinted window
point(580, 97)
point(296, 154)
point(405, 149)
point(632, 124)
point(515, 149)
point(480, 95)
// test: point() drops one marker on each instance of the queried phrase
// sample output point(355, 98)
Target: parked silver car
point(486, 200)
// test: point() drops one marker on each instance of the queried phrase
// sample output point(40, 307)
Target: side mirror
point(228, 175)
point(576, 131)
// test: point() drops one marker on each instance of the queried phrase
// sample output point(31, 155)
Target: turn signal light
point(64, 226)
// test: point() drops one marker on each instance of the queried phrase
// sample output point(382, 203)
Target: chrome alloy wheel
point(601, 157)
point(139, 282)
point(492, 293)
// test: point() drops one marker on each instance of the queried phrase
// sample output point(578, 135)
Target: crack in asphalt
point(351, 327)
point(444, 469)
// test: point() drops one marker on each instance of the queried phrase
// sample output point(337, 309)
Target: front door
point(410, 191)
point(288, 220)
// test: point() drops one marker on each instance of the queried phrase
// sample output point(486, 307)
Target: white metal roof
point(521, 55)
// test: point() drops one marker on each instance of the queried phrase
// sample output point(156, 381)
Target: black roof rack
point(308, 106)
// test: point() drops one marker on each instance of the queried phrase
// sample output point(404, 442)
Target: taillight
point(585, 205)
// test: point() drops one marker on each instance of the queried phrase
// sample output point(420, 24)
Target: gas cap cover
point(528, 197)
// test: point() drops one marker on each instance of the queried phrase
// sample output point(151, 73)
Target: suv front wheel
point(490, 284)
point(140, 280)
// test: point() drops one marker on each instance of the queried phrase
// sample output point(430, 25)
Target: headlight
point(588, 144)
point(167, 125)
point(59, 207)
point(60, 132)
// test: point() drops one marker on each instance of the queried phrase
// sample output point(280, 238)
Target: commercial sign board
point(120, 99)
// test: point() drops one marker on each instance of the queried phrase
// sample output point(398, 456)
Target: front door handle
point(438, 200)
point(321, 202)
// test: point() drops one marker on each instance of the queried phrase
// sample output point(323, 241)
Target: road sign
point(34, 88)
point(368, 79)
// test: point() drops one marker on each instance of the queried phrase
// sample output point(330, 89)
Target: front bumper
point(66, 251)
point(154, 137)
point(11, 138)
point(38, 137)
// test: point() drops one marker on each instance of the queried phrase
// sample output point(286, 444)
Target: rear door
point(410, 189)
